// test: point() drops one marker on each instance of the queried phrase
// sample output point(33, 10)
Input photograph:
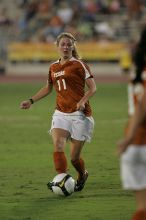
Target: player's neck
point(63, 60)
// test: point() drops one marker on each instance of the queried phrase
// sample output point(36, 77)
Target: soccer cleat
point(49, 185)
point(81, 183)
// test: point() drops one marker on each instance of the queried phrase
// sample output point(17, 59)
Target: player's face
point(65, 48)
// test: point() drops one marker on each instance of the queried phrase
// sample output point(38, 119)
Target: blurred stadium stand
point(105, 30)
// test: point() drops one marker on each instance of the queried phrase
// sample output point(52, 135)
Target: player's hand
point(122, 146)
point(25, 104)
point(80, 106)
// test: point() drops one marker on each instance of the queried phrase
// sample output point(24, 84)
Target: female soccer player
point(133, 148)
point(72, 118)
point(133, 158)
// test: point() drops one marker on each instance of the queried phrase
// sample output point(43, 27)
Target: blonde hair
point(70, 36)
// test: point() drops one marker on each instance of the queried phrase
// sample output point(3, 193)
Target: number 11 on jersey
point(61, 84)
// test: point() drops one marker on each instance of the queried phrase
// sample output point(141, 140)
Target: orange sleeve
point(88, 74)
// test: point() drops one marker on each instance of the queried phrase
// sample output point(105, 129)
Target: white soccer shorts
point(79, 126)
point(133, 168)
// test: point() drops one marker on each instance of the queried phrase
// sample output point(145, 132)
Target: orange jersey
point(135, 95)
point(69, 82)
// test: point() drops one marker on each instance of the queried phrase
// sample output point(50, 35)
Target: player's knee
point(59, 145)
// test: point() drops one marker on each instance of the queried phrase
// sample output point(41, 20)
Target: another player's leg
point(141, 205)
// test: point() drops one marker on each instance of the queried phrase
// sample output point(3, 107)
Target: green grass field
point(26, 162)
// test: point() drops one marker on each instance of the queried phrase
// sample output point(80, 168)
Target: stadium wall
point(42, 52)
point(34, 58)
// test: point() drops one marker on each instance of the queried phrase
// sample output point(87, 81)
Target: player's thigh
point(59, 137)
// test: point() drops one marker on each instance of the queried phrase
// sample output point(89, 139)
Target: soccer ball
point(63, 184)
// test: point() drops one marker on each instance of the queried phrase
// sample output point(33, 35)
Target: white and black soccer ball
point(63, 184)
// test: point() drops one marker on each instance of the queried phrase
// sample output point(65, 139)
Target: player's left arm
point(138, 118)
point(89, 93)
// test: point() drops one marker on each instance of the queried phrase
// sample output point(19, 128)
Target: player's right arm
point(44, 91)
